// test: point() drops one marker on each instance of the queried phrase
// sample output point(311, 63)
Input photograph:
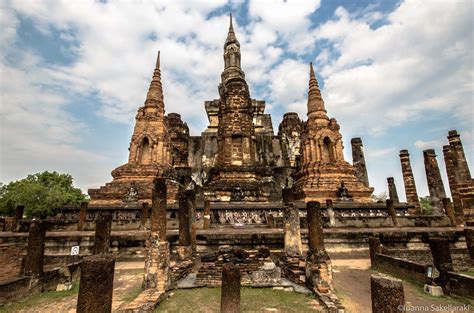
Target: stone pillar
point(291, 224)
point(315, 228)
point(387, 294)
point(82, 215)
point(192, 217)
point(449, 163)
point(358, 161)
point(409, 180)
point(144, 217)
point(330, 211)
point(392, 190)
point(449, 210)
point(442, 261)
point(391, 211)
point(230, 291)
point(207, 214)
point(461, 168)
point(103, 226)
point(435, 183)
point(18, 216)
point(186, 198)
point(96, 284)
point(158, 208)
point(33, 265)
point(469, 235)
point(374, 248)
point(318, 264)
point(157, 258)
point(462, 175)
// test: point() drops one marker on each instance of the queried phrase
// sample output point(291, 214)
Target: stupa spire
point(315, 100)
point(231, 38)
point(155, 91)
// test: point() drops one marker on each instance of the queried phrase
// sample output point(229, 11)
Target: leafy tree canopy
point(42, 194)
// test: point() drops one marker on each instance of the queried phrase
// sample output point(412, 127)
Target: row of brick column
point(459, 177)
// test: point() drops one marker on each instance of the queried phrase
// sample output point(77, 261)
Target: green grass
point(36, 299)
point(252, 300)
point(469, 273)
point(132, 294)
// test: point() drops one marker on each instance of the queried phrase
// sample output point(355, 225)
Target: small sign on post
point(75, 250)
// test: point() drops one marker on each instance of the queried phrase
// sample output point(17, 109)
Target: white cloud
point(401, 70)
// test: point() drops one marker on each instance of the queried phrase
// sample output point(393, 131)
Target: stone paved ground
point(127, 281)
point(352, 283)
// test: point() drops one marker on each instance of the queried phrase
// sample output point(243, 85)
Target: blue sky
point(399, 74)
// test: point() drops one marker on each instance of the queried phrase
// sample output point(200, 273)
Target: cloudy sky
point(399, 74)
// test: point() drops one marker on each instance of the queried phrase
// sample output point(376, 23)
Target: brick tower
point(236, 176)
point(149, 152)
point(323, 168)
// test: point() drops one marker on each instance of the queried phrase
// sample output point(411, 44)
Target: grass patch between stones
point(39, 298)
point(252, 300)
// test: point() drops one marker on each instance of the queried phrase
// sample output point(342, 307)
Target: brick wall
point(10, 258)
point(402, 268)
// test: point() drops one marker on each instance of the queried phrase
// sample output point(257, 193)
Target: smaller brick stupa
point(149, 152)
point(324, 174)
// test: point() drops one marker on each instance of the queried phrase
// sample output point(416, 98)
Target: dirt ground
point(127, 281)
point(352, 284)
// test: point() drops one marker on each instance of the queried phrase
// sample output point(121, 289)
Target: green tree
point(42, 194)
point(426, 206)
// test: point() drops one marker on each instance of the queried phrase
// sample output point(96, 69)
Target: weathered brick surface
point(387, 294)
point(323, 167)
point(256, 267)
point(435, 183)
point(96, 284)
point(409, 181)
point(230, 291)
point(149, 152)
point(11, 256)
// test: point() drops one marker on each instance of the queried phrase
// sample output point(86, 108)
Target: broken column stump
point(230, 290)
point(392, 190)
point(449, 210)
point(144, 217)
point(387, 294)
point(157, 257)
point(157, 263)
point(409, 181)
point(159, 208)
point(185, 224)
point(318, 263)
point(207, 214)
point(81, 220)
point(33, 265)
point(391, 211)
point(442, 261)
point(18, 216)
point(291, 227)
point(96, 284)
point(358, 160)
point(374, 248)
point(435, 183)
point(103, 226)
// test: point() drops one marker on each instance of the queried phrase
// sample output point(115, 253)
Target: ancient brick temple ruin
point(237, 158)
point(280, 208)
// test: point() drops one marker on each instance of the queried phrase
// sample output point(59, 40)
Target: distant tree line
point(42, 194)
